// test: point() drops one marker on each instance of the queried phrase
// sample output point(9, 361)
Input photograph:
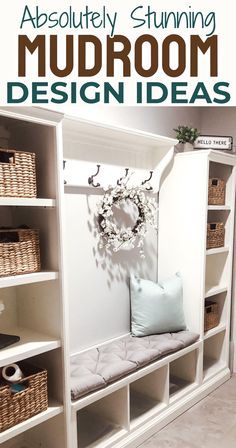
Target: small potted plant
point(186, 136)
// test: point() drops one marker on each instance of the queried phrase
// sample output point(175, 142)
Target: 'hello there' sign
point(214, 142)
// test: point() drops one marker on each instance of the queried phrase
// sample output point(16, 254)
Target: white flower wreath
point(114, 237)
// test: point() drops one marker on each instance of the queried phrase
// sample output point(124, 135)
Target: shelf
point(148, 396)
point(213, 290)
point(217, 250)
point(26, 279)
point(143, 407)
point(103, 422)
point(212, 367)
point(96, 431)
point(53, 410)
point(27, 202)
point(214, 355)
point(179, 388)
point(219, 207)
point(182, 375)
point(30, 344)
point(213, 331)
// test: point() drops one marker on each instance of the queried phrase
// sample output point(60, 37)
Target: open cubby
point(52, 362)
point(104, 421)
point(148, 395)
point(46, 434)
point(41, 140)
point(42, 219)
point(183, 372)
point(221, 300)
point(222, 171)
point(33, 308)
point(216, 270)
point(221, 216)
point(214, 356)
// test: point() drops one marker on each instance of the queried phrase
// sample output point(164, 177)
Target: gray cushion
point(96, 368)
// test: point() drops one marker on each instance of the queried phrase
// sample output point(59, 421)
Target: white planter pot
point(184, 147)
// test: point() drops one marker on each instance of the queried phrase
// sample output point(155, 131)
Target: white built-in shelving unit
point(63, 303)
point(34, 308)
point(207, 273)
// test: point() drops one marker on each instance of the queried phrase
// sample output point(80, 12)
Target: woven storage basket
point(215, 235)
point(17, 174)
point(22, 256)
point(18, 407)
point(216, 191)
point(212, 317)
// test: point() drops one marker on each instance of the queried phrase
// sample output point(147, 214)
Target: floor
point(211, 423)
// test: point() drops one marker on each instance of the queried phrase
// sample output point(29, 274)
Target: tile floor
point(211, 423)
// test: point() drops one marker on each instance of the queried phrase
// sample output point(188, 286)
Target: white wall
point(219, 121)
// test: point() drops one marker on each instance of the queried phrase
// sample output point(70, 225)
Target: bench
point(97, 368)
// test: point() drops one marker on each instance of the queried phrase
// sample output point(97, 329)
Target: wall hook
point(90, 179)
point(119, 182)
point(147, 180)
point(64, 165)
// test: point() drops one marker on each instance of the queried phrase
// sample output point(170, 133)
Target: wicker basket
point(215, 235)
point(17, 174)
point(18, 407)
point(21, 255)
point(212, 316)
point(216, 191)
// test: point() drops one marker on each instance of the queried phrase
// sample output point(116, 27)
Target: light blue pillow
point(156, 307)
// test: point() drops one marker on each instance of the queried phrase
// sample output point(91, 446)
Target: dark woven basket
point(216, 191)
point(22, 256)
point(215, 235)
point(18, 407)
point(17, 174)
point(212, 317)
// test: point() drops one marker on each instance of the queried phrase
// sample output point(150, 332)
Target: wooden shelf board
point(219, 207)
point(212, 367)
point(30, 344)
point(217, 250)
point(213, 331)
point(53, 409)
point(27, 202)
point(213, 290)
point(25, 279)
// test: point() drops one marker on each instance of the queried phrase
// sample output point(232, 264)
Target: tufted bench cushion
point(96, 368)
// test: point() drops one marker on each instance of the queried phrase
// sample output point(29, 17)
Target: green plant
point(186, 134)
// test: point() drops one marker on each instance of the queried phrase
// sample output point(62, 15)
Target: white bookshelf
point(207, 273)
point(33, 302)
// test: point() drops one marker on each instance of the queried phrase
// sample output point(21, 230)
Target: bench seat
point(98, 367)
